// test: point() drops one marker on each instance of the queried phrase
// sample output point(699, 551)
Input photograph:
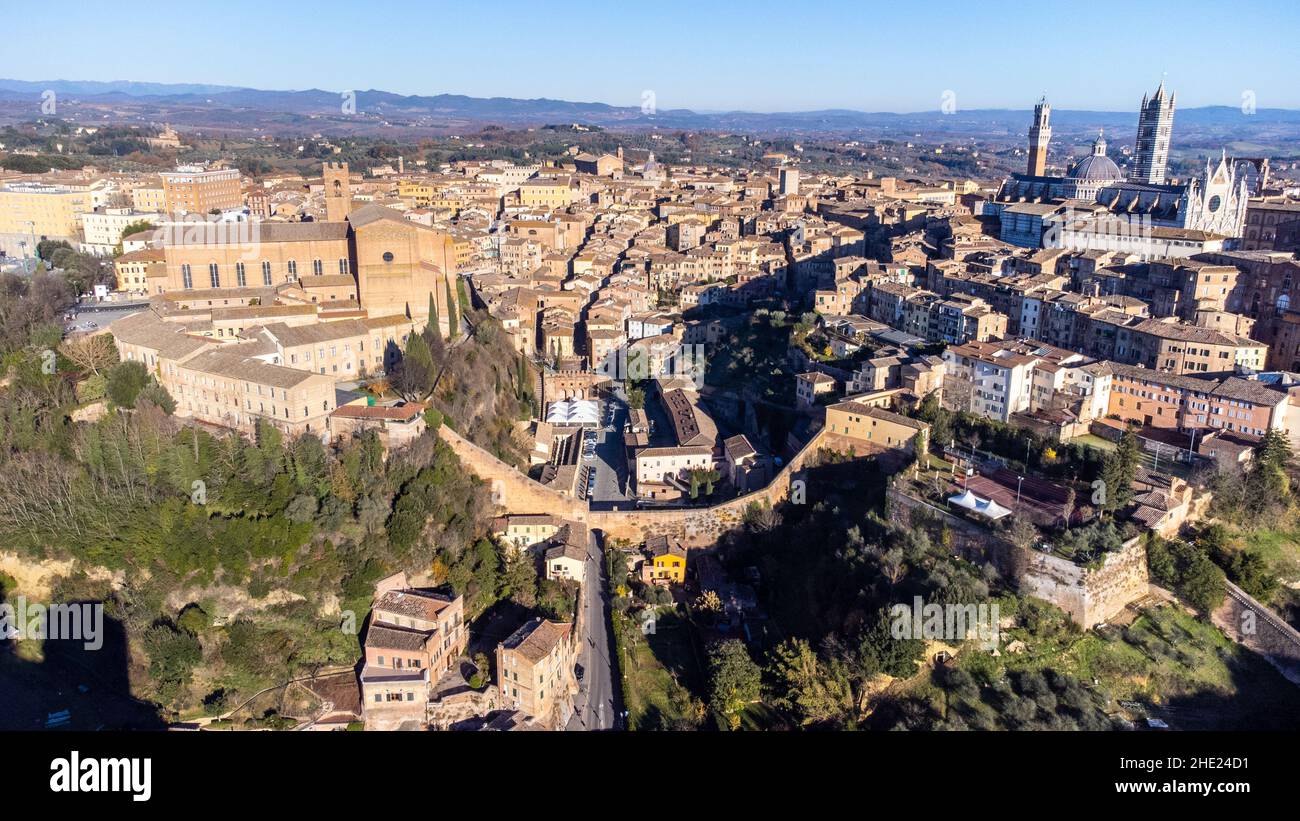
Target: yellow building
point(547, 193)
point(134, 270)
point(535, 671)
point(869, 429)
point(523, 530)
point(32, 212)
point(223, 384)
point(665, 561)
point(149, 198)
point(417, 193)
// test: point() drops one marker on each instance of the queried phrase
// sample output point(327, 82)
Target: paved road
point(598, 704)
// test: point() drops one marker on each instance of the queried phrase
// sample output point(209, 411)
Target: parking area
point(89, 316)
point(604, 458)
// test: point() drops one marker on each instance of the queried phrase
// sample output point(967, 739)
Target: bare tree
point(91, 353)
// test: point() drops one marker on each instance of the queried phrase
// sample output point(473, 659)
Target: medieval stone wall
point(1245, 620)
point(514, 492)
point(1089, 595)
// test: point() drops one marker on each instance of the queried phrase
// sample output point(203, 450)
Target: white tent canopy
point(992, 509)
point(965, 499)
point(984, 507)
point(573, 412)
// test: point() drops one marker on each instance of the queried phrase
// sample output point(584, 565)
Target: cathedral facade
point(1213, 201)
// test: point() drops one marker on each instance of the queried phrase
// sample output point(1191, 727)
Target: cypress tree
point(453, 319)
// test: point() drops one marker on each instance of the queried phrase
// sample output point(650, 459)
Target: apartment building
point(870, 429)
point(102, 228)
point(1180, 348)
point(809, 388)
point(192, 189)
point(963, 318)
point(31, 212)
point(660, 472)
point(548, 193)
point(344, 349)
point(413, 629)
point(894, 367)
point(665, 561)
point(523, 530)
point(134, 270)
point(989, 380)
point(1166, 400)
point(535, 671)
point(233, 389)
point(413, 636)
point(1272, 225)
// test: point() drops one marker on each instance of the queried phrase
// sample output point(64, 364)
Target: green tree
point(158, 395)
point(1274, 450)
point(433, 315)
point(131, 228)
point(805, 687)
point(415, 372)
point(173, 654)
point(125, 381)
point(519, 583)
point(735, 681)
point(1118, 472)
point(453, 317)
point(635, 398)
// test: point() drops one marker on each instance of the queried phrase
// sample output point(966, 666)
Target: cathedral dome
point(1096, 167)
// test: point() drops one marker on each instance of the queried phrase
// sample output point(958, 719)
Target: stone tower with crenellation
point(1040, 133)
point(338, 192)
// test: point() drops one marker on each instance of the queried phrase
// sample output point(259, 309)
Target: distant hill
point(235, 109)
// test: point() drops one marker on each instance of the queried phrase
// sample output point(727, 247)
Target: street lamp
point(1019, 481)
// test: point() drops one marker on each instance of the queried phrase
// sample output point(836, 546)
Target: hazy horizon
point(829, 54)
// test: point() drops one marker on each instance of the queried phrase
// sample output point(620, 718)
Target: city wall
point(514, 492)
point(1090, 595)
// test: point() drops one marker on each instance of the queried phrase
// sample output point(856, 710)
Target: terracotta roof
point(417, 604)
point(538, 638)
point(396, 638)
point(404, 413)
point(660, 545)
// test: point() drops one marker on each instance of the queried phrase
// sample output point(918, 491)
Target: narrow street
point(598, 705)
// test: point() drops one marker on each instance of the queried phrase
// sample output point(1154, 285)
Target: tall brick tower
point(338, 192)
point(1040, 133)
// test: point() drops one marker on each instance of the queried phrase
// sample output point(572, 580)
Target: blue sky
point(759, 56)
